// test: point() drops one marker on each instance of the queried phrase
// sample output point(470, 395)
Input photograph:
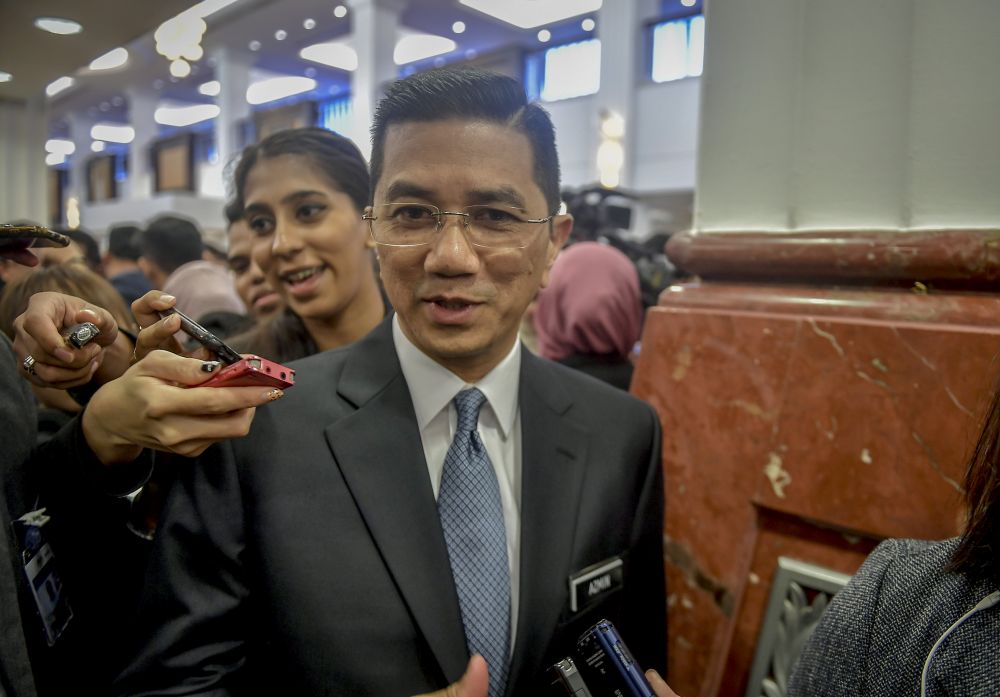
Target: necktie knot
point(467, 405)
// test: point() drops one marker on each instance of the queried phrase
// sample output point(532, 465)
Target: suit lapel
point(380, 455)
point(552, 469)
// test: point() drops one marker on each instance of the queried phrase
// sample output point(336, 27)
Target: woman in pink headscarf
point(590, 315)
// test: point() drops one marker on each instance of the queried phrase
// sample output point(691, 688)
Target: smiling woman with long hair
point(302, 192)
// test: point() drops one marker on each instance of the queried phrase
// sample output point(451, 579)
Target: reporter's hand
point(157, 404)
point(475, 682)
point(156, 333)
point(660, 687)
point(38, 333)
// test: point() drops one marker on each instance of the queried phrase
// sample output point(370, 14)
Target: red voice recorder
point(253, 371)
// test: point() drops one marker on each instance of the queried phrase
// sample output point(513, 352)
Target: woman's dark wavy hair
point(477, 95)
point(978, 553)
point(284, 337)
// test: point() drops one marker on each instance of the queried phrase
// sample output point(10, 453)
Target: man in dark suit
point(432, 491)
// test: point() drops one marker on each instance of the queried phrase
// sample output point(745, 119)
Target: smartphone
point(16, 237)
point(204, 337)
point(566, 680)
point(250, 371)
point(607, 665)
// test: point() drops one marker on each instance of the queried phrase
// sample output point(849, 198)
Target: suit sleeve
point(189, 633)
point(834, 660)
point(645, 613)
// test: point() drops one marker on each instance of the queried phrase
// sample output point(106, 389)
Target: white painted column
point(23, 175)
point(374, 24)
point(141, 105)
point(821, 115)
point(619, 27)
point(232, 70)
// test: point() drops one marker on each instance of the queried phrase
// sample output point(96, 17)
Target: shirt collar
point(432, 386)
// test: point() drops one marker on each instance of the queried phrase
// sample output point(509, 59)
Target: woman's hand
point(157, 404)
point(156, 333)
point(38, 333)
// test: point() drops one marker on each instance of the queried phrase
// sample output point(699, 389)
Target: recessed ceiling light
point(115, 58)
point(112, 132)
point(5, 76)
point(458, 27)
point(254, 45)
point(339, 11)
point(309, 24)
point(415, 47)
point(544, 35)
point(275, 88)
point(97, 146)
point(60, 146)
point(281, 35)
point(335, 54)
point(54, 158)
point(588, 24)
point(180, 68)
point(528, 14)
point(688, 3)
point(58, 25)
point(210, 89)
point(57, 86)
point(184, 115)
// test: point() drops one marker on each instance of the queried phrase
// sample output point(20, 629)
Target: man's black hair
point(170, 241)
point(473, 95)
point(123, 242)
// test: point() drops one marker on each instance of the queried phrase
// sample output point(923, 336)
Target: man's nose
point(451, 253)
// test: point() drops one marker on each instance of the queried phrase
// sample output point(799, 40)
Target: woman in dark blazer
point(920, 618)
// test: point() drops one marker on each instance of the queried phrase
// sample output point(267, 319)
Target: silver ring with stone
point(29, 364)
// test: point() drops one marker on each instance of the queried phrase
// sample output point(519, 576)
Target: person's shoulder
point(579, 384)
point(906, 562)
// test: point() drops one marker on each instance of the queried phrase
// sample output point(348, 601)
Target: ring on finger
point(29, 364)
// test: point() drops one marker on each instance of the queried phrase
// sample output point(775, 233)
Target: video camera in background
point(605, 215)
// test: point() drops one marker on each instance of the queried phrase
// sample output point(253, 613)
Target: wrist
point(109, 447)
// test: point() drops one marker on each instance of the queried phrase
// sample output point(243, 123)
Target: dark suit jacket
point(308, 558)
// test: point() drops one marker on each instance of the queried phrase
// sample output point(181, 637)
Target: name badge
point(43, 576)
point(590, 584)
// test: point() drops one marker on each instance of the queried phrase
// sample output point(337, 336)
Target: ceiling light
point(309, 24)
point(688, 3)
point(5, 76)
point(544, 35)
point(97, 146)
point(57, 86)
point(112, 132)
point(180, 68)
point(588, 24)
point(254, 45)
point(115, 58)
point(209, 7)
point(57, 25)
point(528, 14)
point(415, 47)
point(278, 88)
point(281, 35)
point(458, 27)
point(332, 53)
point(180, 116)
point(60, 146)
point(339, 11)
point(54, 158)
point(210, 89)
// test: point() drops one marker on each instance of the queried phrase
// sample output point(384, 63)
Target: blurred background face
point(251, 283)
point(307, 236)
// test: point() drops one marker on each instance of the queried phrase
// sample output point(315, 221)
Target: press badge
point(594, 582)
point(43, 575)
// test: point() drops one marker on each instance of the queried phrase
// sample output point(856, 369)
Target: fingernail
point(273, 395)
point(167, 298)
point(63, 354)
point(210, 366)
point(173, 322)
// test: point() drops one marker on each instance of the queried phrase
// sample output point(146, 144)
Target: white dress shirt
point(432, 388)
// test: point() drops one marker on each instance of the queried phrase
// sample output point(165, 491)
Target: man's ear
point(562, 226)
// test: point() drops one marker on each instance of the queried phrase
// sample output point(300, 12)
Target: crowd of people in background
point(302, 277)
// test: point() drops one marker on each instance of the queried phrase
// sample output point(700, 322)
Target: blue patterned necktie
point(472, 520)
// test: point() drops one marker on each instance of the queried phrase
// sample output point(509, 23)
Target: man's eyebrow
point(403, 190)
point(504, 194)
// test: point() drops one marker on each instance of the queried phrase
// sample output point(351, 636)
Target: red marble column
point(808, 419)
